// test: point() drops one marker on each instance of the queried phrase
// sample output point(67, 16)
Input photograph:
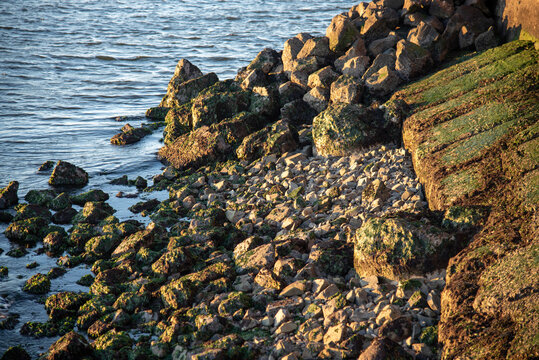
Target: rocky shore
point(296, 226)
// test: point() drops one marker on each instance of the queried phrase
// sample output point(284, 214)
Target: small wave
point(220, 58)
point(232, 18)
point(105, 58)
point(193, 37)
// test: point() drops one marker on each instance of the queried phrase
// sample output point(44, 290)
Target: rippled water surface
point(69, 67)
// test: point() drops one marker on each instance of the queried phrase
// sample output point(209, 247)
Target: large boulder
point(8, 195)
point(357, 49)
point(67, 174)
point(317, 98)
point(412, 60)
point(291, 49)
point(179, 92)
point(195, 149)
point(401, 246)
point(383, 82)
point(276, 138)
point(356, 66)
point(342, 129)
point(424, 35)
point(341, 34)
point(346, 89)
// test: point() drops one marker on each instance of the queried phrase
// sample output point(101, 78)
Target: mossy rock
point(27, 211)
point(81, 233)
point(15, 353)
point(65, 304)
point(101, 245)
point(67, 174)
point(173, 261)
point(235, 301)
point(38, 284)
point(343, 128)
point(399, 247)
point(28, 231)
point(92, 195)
point(93, 212)
point(130, 301)
point(179, 121)
point(40, 197)
point(157, 113)
point(112, 344)
point(60, 202)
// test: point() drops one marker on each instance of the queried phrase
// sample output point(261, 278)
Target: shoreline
point(294, 226)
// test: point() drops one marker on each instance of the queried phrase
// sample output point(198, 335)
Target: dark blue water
point(69, 67)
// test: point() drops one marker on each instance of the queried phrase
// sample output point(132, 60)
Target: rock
point(93, 212)
point(276, 138)
point(342, 129)
point(173, 261)
point(379, 46)
point(346, 89)
point(186, 71)
point(38, 284)
point(290, 91)
point(384, 348)
point(442, 9)
point(417, 300)
point(486, 40)
point(286, 328)
point(92, 195)
point(27, 231)
point(180, 91)
point(335, 334)
point(424, 35)
point(412, 6)
point(317, 98)
point(255, 78)
point(393, 4)
point(376, 189)
point(412, 60)
point(356, 50)
point(374, 28)
point(464, 26)
point(297, 288)
point(46, 166)
point(315, 47)
point(129, 135)
point(265, 61)
point(40, 197)
point(157, 113)
point(397, 330)
point(383, 82)
point(298, 112)
point(268, 279)
point(322, 78)
point(144, 206)
point(434, 301)
point(195, 149)
point(341, 34)
point(256, 259)
point(291, 49)
point(15, 353)
point(64, 216)
point(67, 174)
point(65, 304)
point(8, 195)
point(54, 241)
point(356, 66)
point(235, 301)
point(60, 202)
point(399, 246)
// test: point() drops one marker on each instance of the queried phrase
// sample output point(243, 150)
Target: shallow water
point(68, 68)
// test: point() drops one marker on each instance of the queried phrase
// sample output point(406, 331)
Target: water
point(69, 67)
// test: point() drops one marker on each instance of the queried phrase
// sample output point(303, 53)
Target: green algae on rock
point(37, 284)
point(67, 174)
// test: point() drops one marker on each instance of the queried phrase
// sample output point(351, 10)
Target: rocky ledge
point(296, 227)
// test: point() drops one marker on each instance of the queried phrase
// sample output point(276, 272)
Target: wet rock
point(67, 174)
point(129, 135)
point(346, 89)
point(65, 304)
point(37, 284)
point(46, 166)
point(157, 113)
point(343, 128)
point(93, 212)
point(60, 202)
point(27, 231)
point(28, 211)
point(399, 246)
point(64, 216)
point(40, 197)
point(92, 195)
point(384, 348)
point(15, 353)
point(174, 261)
point(179, 121)
point(277, 138)
point(144, 206)
point(5, 217)
point(8, 195)
point(112, 344)
point(195, 149)
point(341, 34)
point(55, 241)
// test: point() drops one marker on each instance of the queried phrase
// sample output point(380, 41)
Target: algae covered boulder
point(67, 174)
point(343, 128)
point(93, 212)
point(341, 33)
point(27, 230)
point(8, 195)
point(37, 284)
point(71, 346)
point(65, 304)
point(92, 195)
point(277, 138)
point(397, 247)
point(129, 135)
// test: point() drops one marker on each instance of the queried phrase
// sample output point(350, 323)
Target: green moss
point(37, 284)
point(429, 336)
point(86, 280)
point(92, 195)
point(4, 271)
point(40, 197)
